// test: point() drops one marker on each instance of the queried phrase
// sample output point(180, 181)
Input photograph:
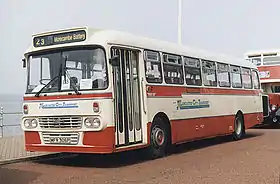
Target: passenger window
point(223, 75)
point(192, 71)
point(153, 67)
point(173, 70)
point(246, 78)
point(209, 73)
point(235, 77)
point(256, 81)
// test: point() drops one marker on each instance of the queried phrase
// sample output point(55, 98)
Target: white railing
point(4, 124)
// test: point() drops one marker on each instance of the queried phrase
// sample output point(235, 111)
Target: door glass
point(129, 89)
point(136, 93)
point(127, 98)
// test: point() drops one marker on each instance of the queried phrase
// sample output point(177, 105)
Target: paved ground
point(12, 149)
point(252, 160)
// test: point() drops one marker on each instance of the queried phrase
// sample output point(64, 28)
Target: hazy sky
point(230, 27)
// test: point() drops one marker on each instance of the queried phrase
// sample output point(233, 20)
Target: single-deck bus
point(105, 91)
point(268, 64)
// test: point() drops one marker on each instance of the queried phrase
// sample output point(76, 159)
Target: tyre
point(159, 139)
point(239, 127)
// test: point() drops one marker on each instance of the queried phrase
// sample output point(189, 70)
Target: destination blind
point(60, 38)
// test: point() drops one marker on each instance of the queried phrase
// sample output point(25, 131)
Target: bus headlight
point(92, 123)
point(30, 123)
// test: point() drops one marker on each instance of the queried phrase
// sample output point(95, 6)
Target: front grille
point(61, 138)
point(61, 122)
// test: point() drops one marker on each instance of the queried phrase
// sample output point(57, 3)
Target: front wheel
point(158, 139)
point(239, 127)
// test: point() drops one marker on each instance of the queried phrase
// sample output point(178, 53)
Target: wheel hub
point(158, 136)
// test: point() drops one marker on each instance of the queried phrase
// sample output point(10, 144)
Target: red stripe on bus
point(178, 91)
point(230, 91)
point(193, 129)
point(56, 97)
point(69, 149)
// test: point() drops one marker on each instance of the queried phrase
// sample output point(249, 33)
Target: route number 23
point(40, 42)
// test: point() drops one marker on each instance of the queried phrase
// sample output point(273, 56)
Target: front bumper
point(90, 142)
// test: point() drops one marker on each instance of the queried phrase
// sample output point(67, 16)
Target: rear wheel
point(159, 139)
point(239, 127)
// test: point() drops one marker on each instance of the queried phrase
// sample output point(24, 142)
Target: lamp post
point(179, 21)
point(1, 122)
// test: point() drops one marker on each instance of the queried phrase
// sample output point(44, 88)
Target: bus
point(106, 91)
point(268, 64)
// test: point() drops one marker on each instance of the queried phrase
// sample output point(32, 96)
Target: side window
point(256, 81)
point(209, 73)
point(246, 78)
point(235, 77)
point(45, 69)
point(223, 75)
point(34, 71)
point(39, 69)
point(192, 71)
point(153, 67)
point(173, 70)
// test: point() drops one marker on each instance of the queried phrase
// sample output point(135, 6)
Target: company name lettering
point(58, 105)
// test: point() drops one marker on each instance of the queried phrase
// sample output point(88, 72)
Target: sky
point(230, 27)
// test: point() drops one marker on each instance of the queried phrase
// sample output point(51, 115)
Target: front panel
point(62, 122)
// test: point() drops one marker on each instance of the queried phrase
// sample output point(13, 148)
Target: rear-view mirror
point(24, 63)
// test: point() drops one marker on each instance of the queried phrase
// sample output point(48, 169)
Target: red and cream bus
point(105, 91)
point(268, 64)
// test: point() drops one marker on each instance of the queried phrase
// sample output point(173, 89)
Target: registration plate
point(60, 140)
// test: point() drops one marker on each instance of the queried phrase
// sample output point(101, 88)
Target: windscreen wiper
point(68, 75)
point(74, 87)
point(51, 81)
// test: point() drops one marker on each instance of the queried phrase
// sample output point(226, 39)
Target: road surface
point(254, 159)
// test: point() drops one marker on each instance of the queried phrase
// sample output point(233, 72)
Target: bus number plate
point(60, 140)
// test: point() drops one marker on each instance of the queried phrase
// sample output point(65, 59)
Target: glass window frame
point(188, 66)
point(223, 70)
point(258, 79)
point(203, 61)
point(238, 72)
point(66, 49)
point(177, 64)
point(146, 59)
point(243, 72)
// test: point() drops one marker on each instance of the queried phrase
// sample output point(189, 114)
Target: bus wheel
point(159, 139)
point(239, 127)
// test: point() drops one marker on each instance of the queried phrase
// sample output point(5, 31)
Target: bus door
point(127, 98)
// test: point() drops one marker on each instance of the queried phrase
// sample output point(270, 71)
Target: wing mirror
point(24, 63)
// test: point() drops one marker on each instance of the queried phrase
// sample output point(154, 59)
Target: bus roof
point(263, 51)
point(103, 37)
